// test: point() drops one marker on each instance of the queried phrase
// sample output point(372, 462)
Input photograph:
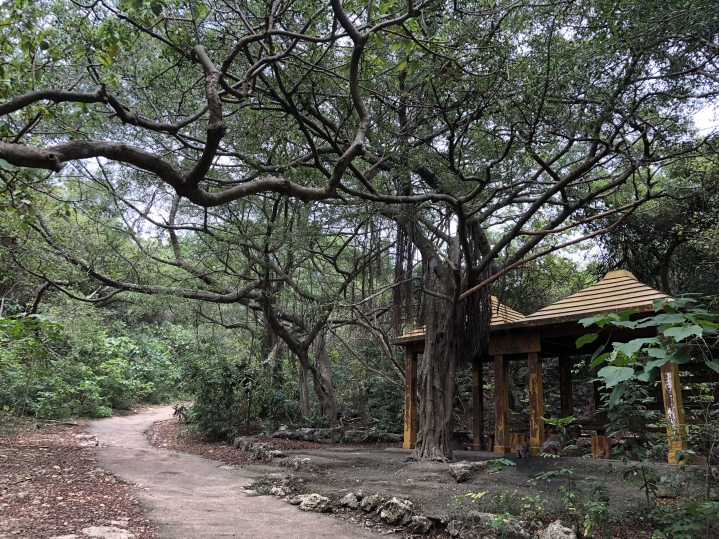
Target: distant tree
point(672, 243)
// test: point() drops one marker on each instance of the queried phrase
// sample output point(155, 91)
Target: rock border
point(336, 435)
point(401, 512)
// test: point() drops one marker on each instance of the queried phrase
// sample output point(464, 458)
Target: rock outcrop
point(335, 435)
point(244, 443)
point(397, 512)
point(463, 470)
point(370, 503)
point(479, 525)
point(263, 452)
point(350, 501)
point(315, 503)
point(556, 530)
point(420, 524)
point(323, 436)
point(359, 437)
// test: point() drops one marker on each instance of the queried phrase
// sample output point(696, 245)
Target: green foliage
point(703, 441)
point(562, 426)
point(51, 370)
point(499, 464)
point(672, 243)
point(233, 391)
point(385, 404)
point(692, 519)
point(687, 329)
point(568, 489)
point(499, 502)
point(590, 504)
point(505, 504)
point(220, 390)
point(594, 510)
point(640, 470)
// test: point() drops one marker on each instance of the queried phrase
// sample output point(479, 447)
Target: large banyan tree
point(486, 133)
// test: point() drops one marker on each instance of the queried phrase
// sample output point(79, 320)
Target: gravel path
point(189, 497)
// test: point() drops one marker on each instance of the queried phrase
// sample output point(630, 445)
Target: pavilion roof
point(617, 291)
point(501, 314)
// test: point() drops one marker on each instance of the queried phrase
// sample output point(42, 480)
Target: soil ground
point(50, 485)
point(334, 471)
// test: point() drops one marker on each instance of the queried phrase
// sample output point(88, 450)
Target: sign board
point(517, 343)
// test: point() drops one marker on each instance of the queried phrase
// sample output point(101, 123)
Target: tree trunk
point(328, 408)
point(436, 383)
point(304, 399)
point(323, 388)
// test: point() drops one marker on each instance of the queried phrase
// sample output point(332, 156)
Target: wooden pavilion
point(550, 332)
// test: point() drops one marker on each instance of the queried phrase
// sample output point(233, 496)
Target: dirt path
point(190, 497)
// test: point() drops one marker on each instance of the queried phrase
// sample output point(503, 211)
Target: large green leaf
point(626, 315)
point(586, 339)
point(648, 377)
point(683, 332)
point(631, 347)
point(680, 356)
point(675, 318)
point(625, 324)
point(658, 303)
point(600, 359)
point(616, 394)
point(615, 375)
point(658, 363)
point(598, 319)
point(657, 352)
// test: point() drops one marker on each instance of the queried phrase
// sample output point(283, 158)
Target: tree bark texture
point(323, 388)
point(436, 382)
point(304, 395)
point(325, 371)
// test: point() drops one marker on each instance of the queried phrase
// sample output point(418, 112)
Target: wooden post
point(535, 402)
point(600, 447)
point(601, 417)
point(410, 410)
point(500, 417)
point(673, 406)
point(564, 371)
point(516, 438)
point(478, 444)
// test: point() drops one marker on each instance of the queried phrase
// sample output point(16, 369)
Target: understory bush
point(233, 396)
point(48, 370)
point(385, 405)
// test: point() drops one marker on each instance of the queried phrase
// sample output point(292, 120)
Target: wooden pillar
point(535, 402)
point(600, 447)
point(673, 406)
point(500, 417)
point(566, 386)
point(410, 408)
point(601, 417)
point(478, 444)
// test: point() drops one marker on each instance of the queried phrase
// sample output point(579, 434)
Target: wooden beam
point(673, 407)
point(535, 403)
point(565, 375)
point(410, 409)
point(500, 416)
point(477, 388)
point(695, 367)
point(699, 378)
point(519, 343)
